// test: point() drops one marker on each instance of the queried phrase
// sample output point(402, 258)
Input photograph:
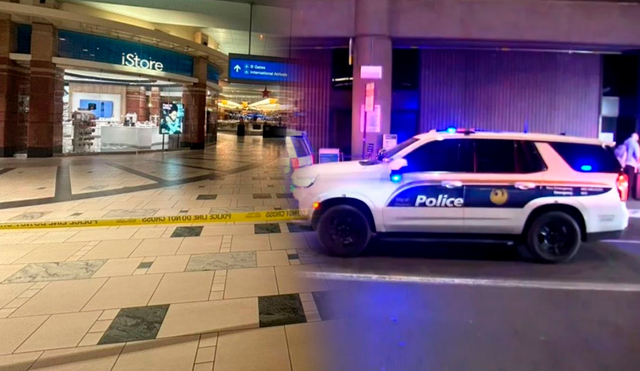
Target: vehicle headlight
point(303, 182)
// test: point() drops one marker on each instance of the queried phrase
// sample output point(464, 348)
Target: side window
point(585, 158)
point(506, 157)
point(495, 156)
point(448, 155)
point(529, 159)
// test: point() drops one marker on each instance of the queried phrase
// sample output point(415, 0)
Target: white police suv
point(548, 192)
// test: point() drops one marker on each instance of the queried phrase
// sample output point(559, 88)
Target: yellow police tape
point(257, 216)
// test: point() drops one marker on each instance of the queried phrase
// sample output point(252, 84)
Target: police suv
point(547, 192)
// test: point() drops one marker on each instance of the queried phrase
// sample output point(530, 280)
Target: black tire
point(343, 231)
point(553, 237)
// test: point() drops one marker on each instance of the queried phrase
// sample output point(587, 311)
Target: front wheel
point(343, 231)
point(553, 237)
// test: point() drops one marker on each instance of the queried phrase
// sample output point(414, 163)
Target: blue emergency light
point(396, 178)
point(586, 168)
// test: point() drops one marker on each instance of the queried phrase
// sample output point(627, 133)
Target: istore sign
point(76, 45)
point(132, 60)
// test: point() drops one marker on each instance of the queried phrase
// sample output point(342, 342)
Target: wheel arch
point(570, 210)
point(328, 203)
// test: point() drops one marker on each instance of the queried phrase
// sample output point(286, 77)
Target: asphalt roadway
point(410, 306)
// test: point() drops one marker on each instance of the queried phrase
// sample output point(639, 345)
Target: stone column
point(194, 98)
point(372, 47)
point(44, 133)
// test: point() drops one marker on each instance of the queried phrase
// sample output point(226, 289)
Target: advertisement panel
point(172, 118)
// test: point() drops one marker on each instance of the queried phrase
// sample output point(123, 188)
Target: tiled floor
point(220, 297)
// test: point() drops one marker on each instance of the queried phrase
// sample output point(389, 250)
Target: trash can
point(240, 130)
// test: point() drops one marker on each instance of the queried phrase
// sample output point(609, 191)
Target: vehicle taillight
point(622, 183)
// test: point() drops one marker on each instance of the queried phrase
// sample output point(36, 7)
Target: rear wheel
point(343, 231)
point(554, 237)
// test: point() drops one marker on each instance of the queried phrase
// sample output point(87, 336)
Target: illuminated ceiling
point(226, 22)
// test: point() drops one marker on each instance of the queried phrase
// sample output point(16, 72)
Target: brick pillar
point(194, 98)
point(44, 133)
point(154, 99)
point(143, 105)
point(137, 102)
point(8, 90)
point(211, 133)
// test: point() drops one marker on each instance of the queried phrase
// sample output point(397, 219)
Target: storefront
point(122, 96)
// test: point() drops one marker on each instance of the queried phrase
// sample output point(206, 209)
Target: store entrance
point(109, 112)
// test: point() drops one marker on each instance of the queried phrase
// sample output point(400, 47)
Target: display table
point(136, 137)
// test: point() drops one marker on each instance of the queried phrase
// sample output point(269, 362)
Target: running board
point(453, 238)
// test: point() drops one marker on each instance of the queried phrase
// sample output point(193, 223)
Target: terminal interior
point(133, 165)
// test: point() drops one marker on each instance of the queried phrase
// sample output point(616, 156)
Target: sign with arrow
point(259, 69)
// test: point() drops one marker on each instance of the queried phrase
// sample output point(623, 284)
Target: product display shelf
point(86, 133)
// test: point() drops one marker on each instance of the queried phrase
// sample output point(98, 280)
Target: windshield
point(393, 151)
point(388, 155)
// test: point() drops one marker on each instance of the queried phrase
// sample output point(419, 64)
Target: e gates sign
point(252, 69)
point(76, 45)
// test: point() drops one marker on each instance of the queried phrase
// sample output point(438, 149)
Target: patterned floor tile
point(38, 272)
point(280, 310)
point(207, 197)
point(29, 216)
point(187, 232)
point(234, 260)
point(267, 228)
point(284, 195)
point(134, 324)
point(261, 196)
point(144, 265)
point(140, 213)
point(299, 228)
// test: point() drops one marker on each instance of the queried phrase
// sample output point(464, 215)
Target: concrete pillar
point(372, 47)
point(194, 98)
point(44, 132)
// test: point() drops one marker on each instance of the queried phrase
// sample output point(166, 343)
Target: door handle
point(452, 184)
point(525, 185)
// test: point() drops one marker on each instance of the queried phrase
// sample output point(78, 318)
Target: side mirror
point(397, 164)
point(380, 155)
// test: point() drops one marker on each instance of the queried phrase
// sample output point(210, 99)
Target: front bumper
point(305, 201)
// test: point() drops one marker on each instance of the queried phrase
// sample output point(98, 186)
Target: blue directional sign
point(248, 69)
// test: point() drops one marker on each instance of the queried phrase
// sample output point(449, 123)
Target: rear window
point(588, 158)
